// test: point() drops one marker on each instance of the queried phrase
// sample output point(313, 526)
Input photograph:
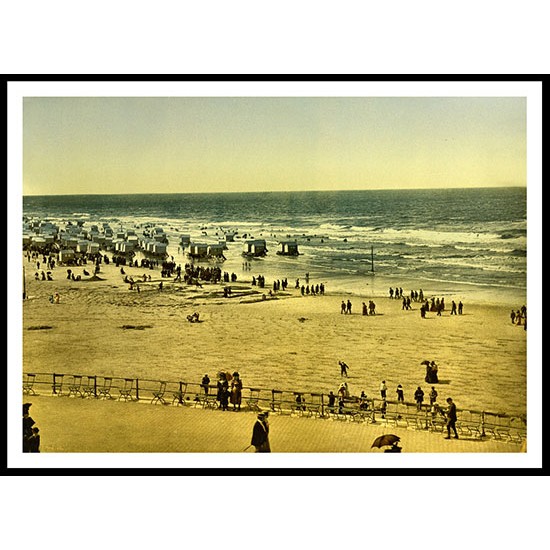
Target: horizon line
point(280, 191)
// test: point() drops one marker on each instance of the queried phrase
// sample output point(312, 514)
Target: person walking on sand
point(343, 368)
point(453, 308)
point(342, 307)
point(348, 307)
point(451, 419)
point(260, 434)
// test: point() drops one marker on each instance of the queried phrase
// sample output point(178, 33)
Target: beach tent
point(288, 248)
point(256, 247)
point(38, 240)
point(93, 248)
point(185, 240)
point(216, 250)
point(82, 246)
point(198, 250)
point(159, 248)
point(65, 255)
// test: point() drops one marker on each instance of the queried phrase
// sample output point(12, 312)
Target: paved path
point(76, 425)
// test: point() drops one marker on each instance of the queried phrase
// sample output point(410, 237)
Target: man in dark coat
point(28, 424)
point(451, 419)
point(260, 434)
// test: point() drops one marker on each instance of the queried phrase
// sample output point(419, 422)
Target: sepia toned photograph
point(284, 274)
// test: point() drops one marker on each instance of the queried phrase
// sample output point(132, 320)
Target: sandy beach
point(285, 341)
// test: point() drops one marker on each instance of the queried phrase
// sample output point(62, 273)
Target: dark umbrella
point(386, 439)
point(426, 362)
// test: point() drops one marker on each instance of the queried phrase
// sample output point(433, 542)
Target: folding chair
point(502, 428)
point(474, 423)
point(277, 401)
point(89, 388)
point(352, 412)
point(253, 400)
point(401, 415)
point(313, 406)
point(28, 384)
point(488, 425)
point(57, 386)
point(413, 416)
point(299, 406)
point(178, 396)
point(158, 396)
point(391, 413)
point(75, 386)
point(210, 401)
point(468, 423)
point(518, 429)
point(126, 391)
point(105, 390)
point(437, 421)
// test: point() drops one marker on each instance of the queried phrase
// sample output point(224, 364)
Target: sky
point(102, 145)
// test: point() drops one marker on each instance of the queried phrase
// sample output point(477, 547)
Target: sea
point(470, 244)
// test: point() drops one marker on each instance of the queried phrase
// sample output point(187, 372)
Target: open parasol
point(426, 362)
point(386, 439)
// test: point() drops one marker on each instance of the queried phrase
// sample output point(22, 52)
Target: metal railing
point(470, 423)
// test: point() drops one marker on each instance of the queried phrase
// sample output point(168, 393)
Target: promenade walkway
point(76, 425)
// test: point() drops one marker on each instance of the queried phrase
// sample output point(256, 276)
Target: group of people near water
point(371, 309)
point(438, 306)
point(519, 317)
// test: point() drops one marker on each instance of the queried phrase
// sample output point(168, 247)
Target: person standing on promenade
point(343, 368)
point(451, 419)
point(383, 389)
point(205, 383)
point(260, 434)
point(331, 401)
point(223, 391)
point(236, 391)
